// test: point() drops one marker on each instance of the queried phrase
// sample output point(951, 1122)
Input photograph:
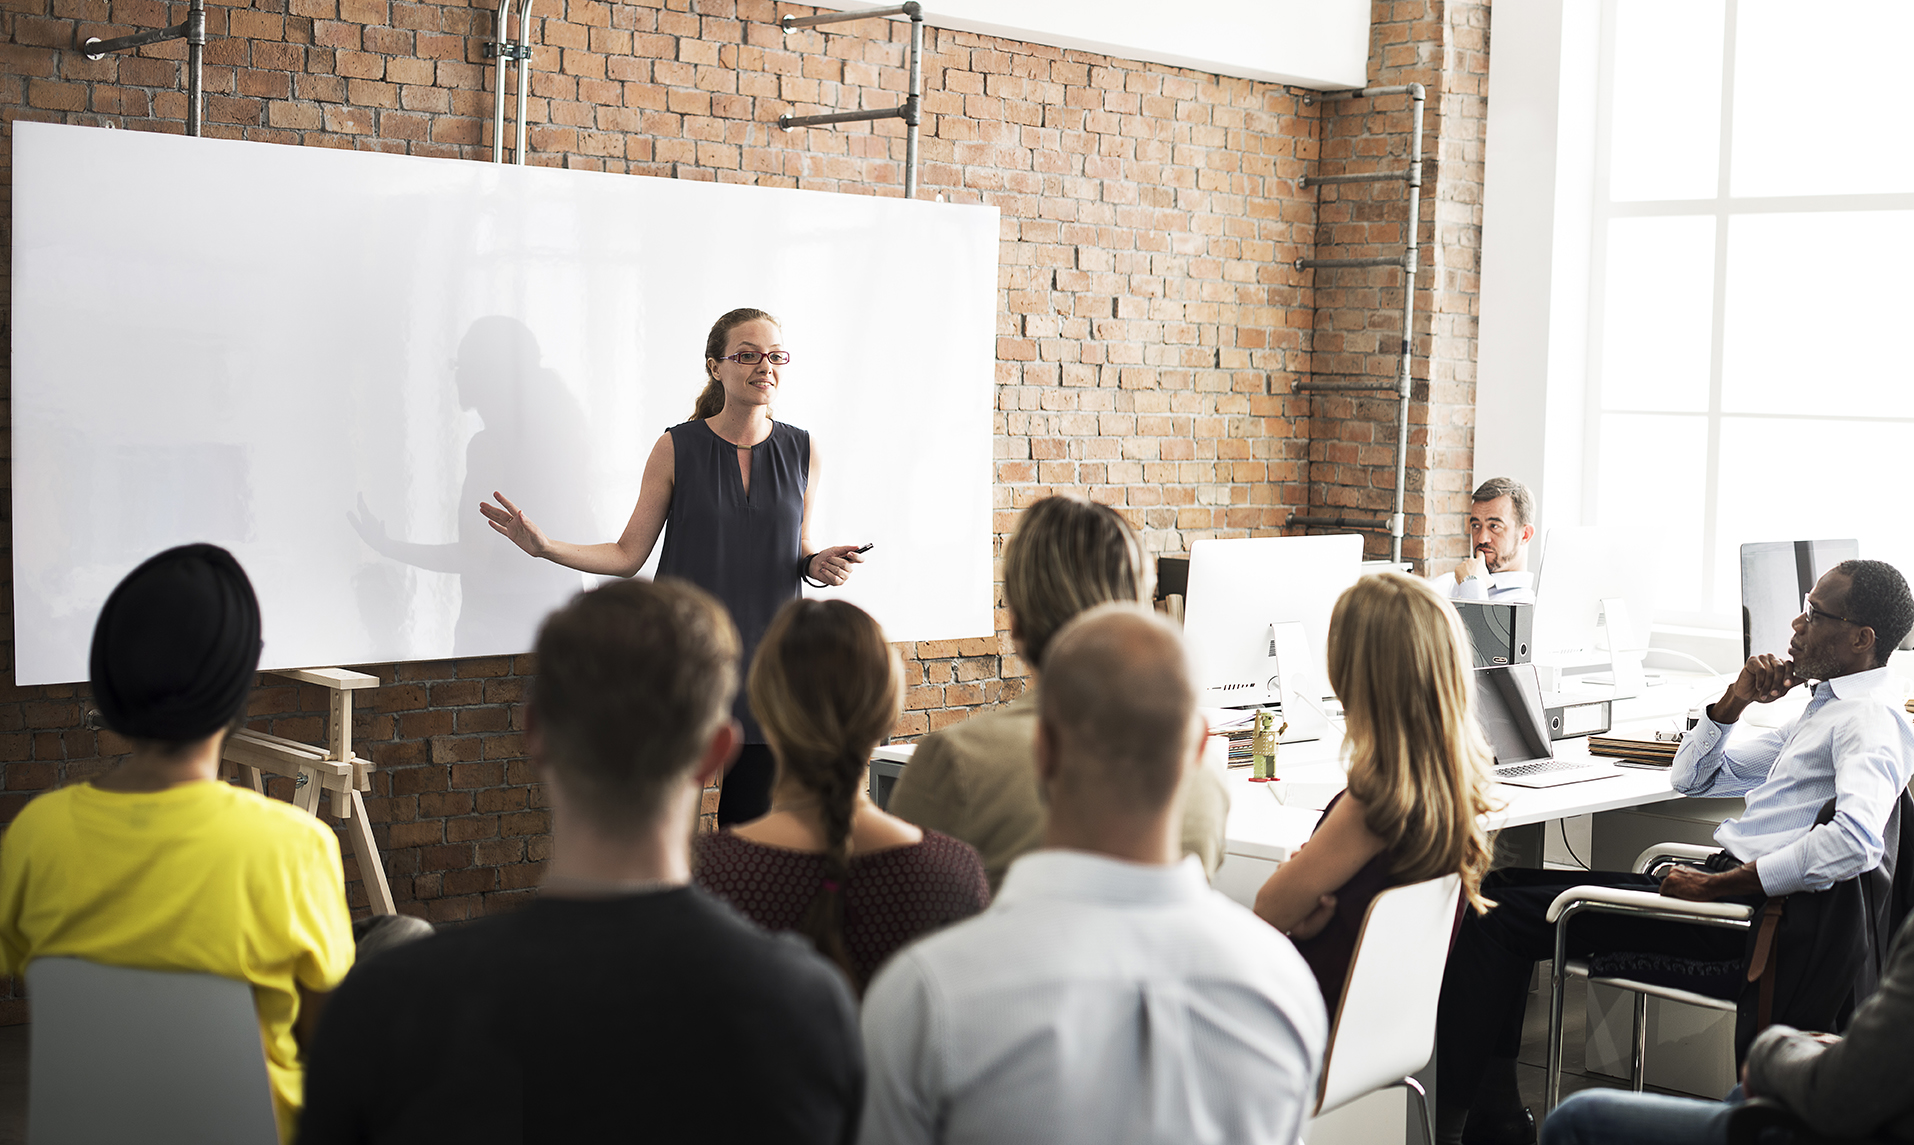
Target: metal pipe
point(1310, 97)
point(1307, 263)
point(787, 122)
point(1372, 177)
point(502, 50)
point(525, 73)
point(96, 48)
point(1346, 387)
point(195, 61)
point(1361, 524)
point(1409, 265)
point(1558, 969)
point(793, 23)
point(1638, 1063)
point(914, 103)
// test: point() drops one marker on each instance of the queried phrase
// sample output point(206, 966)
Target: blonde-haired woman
point(1418, 774)
point(825, 862)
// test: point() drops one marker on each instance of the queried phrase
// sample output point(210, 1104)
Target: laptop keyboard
point(1540, 766)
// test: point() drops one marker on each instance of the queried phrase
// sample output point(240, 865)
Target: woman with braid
point(825, 862)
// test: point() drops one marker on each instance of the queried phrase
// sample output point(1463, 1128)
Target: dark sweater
point(658, 1017)
point(892, 896)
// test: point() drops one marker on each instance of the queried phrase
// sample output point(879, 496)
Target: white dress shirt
point(1501, 587)
point(1851, 745)
point(1096, 1001)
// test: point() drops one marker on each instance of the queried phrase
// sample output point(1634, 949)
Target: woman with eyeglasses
point(737, 489)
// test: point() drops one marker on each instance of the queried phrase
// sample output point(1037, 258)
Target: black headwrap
point(176, 646)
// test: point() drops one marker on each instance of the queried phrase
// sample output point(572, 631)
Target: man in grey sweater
point(1840, 1086)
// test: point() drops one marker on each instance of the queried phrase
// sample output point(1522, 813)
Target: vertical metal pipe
point(1638, 1052)
point(503, 49)
point(1409, 267)
point(524, 73)
point(913, 113)
point(1552, 1082)
point(195, 59)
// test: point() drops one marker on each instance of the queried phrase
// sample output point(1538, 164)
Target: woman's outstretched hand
point(832, 565)
point(515, 525)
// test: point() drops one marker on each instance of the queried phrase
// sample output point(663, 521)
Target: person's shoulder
point(984, 737)
point(267, 819)
point(42, 808)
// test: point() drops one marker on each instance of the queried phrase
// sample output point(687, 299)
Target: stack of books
point(1240, 740)
point(1641, 752)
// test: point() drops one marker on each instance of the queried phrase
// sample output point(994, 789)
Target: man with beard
point(1850, 747)
point(1501, 525)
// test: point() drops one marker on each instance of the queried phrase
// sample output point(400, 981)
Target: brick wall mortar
point(1147, 312)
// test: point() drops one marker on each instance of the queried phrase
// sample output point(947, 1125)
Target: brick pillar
point(1358, 313)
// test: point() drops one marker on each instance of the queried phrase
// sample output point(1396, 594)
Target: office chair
point(153, 1056)
point(1384, 1028)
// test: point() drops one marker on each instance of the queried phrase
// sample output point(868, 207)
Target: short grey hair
point(1517, 493)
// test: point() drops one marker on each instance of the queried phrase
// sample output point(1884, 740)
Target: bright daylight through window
point(1754, 221)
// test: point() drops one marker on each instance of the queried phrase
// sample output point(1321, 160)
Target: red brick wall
point(1149, 323)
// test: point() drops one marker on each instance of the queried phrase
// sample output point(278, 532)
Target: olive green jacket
point(977, 781)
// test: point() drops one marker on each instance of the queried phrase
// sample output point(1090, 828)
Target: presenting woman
point(737, 488)
point(1418, 774)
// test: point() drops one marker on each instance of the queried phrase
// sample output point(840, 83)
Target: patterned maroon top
point(892, 896)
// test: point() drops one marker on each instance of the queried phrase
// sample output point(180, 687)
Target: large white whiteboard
point(239, 342)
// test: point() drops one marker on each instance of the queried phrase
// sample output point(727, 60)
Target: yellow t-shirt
point(203, 877)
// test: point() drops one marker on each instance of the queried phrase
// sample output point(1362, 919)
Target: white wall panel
point(1311, 43)
point(323, 360)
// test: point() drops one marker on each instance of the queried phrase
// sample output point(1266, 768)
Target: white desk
point(1269, 821)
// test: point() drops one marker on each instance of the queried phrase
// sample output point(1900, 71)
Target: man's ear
point(535, 741)
point(1046, 755)
point(719, 753)
point(1528, 533)
point(1863, 642)
point(1202, 741)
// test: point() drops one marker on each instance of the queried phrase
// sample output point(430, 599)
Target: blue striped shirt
point(1850, 745)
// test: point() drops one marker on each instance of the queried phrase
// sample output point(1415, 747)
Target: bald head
point(1118, 708)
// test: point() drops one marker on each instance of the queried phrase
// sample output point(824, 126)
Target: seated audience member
point(1853, 1086)
point(622, 1003)
point(1108, 994)
point(826, 862)
point(1851, 745)
point(1501, 525)
point(157, 864)
point(1418, 769)
point(974, 780)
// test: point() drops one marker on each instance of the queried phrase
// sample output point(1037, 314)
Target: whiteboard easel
point(332, 769)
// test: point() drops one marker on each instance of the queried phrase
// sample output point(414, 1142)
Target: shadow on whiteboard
point(532, 427)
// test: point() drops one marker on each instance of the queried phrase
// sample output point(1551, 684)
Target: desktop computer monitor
point(1775, 575)
point(1241, 590)
point(1508, 705)
point(1580, 568)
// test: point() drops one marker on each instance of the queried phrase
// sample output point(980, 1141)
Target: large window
point(1751, 370)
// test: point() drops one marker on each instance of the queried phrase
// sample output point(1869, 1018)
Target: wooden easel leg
point(306, 798)
point(253, 778)
point(366, 852)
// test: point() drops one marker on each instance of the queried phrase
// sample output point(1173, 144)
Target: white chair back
point(144, 1055)
point(1385, 1028)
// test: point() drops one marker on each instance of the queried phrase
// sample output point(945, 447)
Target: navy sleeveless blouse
point(742, 549)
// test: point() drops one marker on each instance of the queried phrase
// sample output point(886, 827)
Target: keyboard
point(1552, 773)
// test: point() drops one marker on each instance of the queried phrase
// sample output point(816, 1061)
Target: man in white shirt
point(1108, 995)
point(1850, 746)
point(1501, 525)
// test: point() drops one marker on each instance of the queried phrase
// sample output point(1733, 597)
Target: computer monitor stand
point(1295, 671)
point(1624, 663)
